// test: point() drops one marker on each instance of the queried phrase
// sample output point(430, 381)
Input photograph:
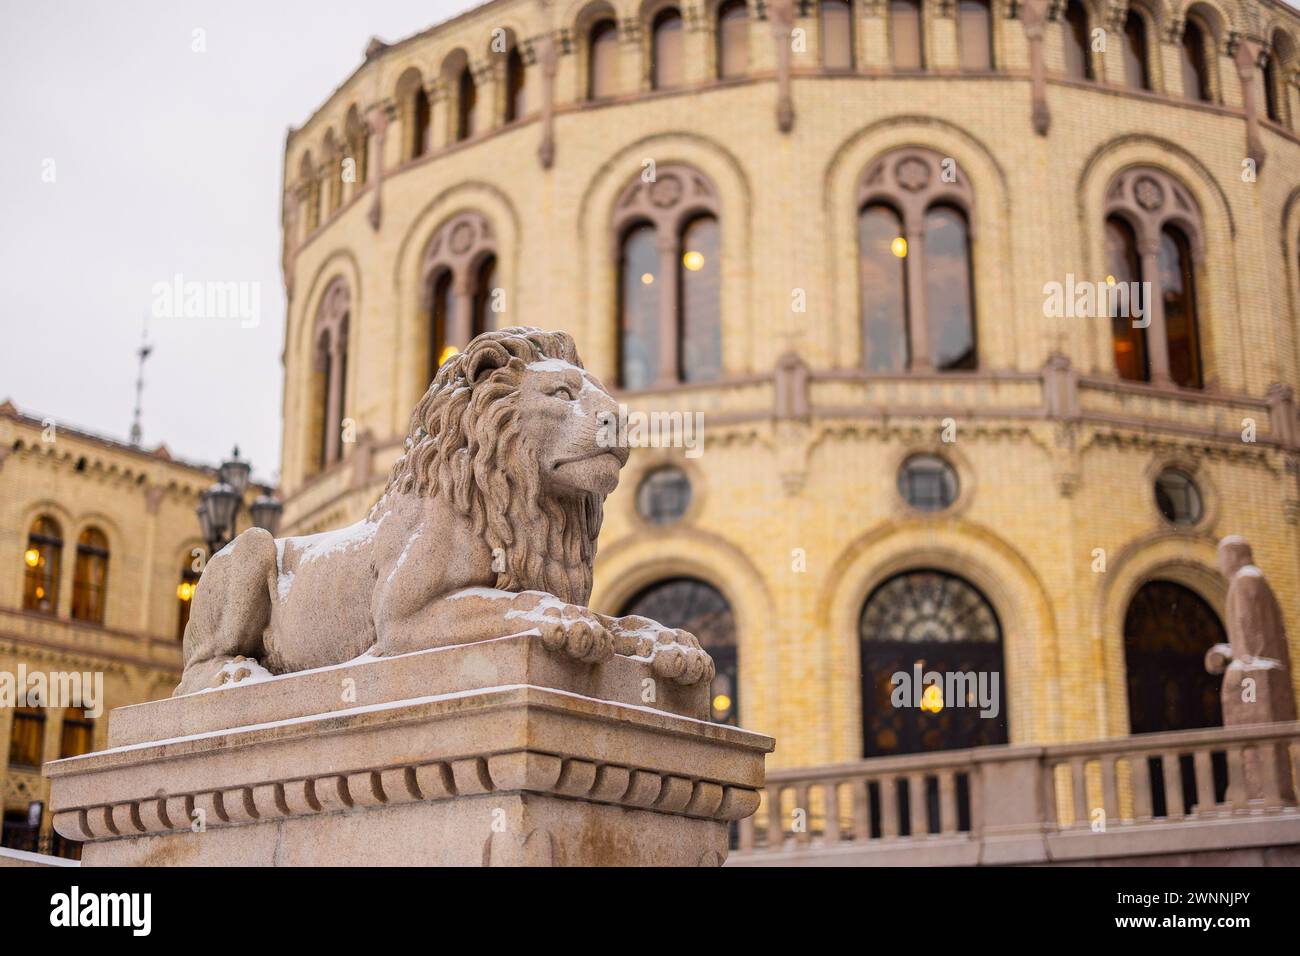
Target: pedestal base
point(499, 772)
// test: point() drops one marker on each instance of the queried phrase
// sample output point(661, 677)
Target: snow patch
point(492, 594)
point(1250, 571)
point(256, 673)
point(327, 542)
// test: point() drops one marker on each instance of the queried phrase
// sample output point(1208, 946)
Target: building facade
point(990, 310)
point(103, 548)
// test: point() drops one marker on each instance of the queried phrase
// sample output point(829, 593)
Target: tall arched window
point(1177, 285)
point(702, 610)
point(925, 201)
point(837, 34)
point(602, 63)
point(42, 560)
point(414, 106)
point(669, 269)
point(667, 58)
point(329, 382)
point(1074, 32)
point(189, 580)
point(27, 737)
point(90, 577)
point(458, 273)
point(905, 33)
point(1136, 74)
point(1149, 210)
point(516, 86)
point(930, 622)
point(1129, 339)
point(701, 334)
point(466, 103)
point(1196, 81)
point(733, 39)
point(485, 283)
point(882, 271)
point(1279, 64)
point(78, 734)
point(975, 34)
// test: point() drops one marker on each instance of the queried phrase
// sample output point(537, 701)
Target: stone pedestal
point(497, 753)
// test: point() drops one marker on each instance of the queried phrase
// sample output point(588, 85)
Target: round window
point(927, 483)
point(664, 495)
point(1178, 498)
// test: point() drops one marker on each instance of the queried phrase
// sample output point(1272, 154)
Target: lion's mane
point(464, 444)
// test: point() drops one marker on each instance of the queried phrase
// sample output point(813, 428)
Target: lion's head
point(507, 433)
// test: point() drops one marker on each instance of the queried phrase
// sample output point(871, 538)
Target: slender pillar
point(549, 61)
point(1247, 56)
point(917, 326)
point(668, 295)
point(377, 118)
point(782, 14)
point(1034, 17)
point(1157, 339)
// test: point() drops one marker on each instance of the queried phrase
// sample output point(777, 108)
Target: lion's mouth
point(621, 459)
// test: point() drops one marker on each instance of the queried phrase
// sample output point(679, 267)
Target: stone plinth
point(496, 753)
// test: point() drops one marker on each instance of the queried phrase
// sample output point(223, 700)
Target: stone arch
point(583, 16)
point(634, 562)
point(597, 211)
point(1005, 578)
point(1185, 559)
point(991, 252)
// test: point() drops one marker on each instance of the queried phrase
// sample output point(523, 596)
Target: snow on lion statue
point(487, 528)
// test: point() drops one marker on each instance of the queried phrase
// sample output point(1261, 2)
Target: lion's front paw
point(677, 656)
point(237, 669)
point(576, 633)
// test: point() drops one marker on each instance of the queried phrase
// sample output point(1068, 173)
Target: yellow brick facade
point(1044, 484)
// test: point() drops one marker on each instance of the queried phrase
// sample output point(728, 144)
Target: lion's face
point(561, 407)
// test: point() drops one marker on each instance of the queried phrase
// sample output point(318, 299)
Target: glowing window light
point(694, 261)
point(32, 557)
point(647, 278)
point(899, 247)
point(447, 353)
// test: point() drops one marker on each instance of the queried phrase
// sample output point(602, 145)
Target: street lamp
point(219, 506)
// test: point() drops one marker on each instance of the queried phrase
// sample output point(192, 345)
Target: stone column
point(917, 323)
point(1157, 339)
point(377, 118)
point(1034, 16)
point(548, 59)
point(1247, 56)
point(782, 14)
point(460, 322)
point(668, 317)
point(334, 400)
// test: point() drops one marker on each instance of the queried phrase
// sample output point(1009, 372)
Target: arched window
point(925, 201)
point(78, 734)
point(458, 273)
point(1269, 79)
point(975, 34)
point(358, 146)
point(701, 609)
point(185, 596)
point(882, 271)
point(930, 622)
point(1129, 339)
point(905, 32)
point(733, 39)
point(602, 64)
point(667, 50)
point(669, 280)
point(27, 737)
point(466, 102)
point(1177, 285)
point(329, 382)
point(837, 34)
point(701, 346)
point(90, 577)
point(1196, 81)
point(516, 86)
point(485, 283)
point(1078, 58)
point(1279, 63)
point(1136, 74)
point(42, 560)
point(1151, 212)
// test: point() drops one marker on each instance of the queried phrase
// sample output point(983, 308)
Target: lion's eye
point(563, 390)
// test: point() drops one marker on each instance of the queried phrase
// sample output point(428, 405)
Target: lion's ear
point(486, 359)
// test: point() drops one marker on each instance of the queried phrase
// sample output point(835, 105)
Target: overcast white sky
point(166, 161)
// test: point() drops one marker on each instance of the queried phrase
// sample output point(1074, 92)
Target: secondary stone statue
point(487, 528)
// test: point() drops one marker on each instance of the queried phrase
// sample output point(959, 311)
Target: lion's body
point(487, 528)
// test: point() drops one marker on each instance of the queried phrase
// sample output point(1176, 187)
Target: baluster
point(917, 804)
point(1079, 796)
point(1109, 789)
point(861, 809)
point(803, 835)
point(832, 835)
point(775, 823)
point(947, 801)
point(888, 806)
point(1053, 811)
point(1205, 804)
point(1293, 751)
point(1238, 796)
point(1173, 785)
point(1268, 775)
point(1140, 771)
point(747, 834)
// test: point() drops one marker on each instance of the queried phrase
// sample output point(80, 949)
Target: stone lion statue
point(487, 528)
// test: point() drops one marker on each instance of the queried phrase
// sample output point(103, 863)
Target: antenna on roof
point(142, 353)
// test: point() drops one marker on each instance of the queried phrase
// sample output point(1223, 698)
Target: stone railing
point(1223, 795)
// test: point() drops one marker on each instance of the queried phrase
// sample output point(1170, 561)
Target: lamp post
point(219, 506)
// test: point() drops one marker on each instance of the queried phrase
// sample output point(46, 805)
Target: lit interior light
point(693, 260)
point(1110, 280)
point(447, 353)
point(899, 247)
point(32, 557)
point(185, 590)
point(932, 699)
point(721, 704)
point(40, 592)
point(647, 278)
